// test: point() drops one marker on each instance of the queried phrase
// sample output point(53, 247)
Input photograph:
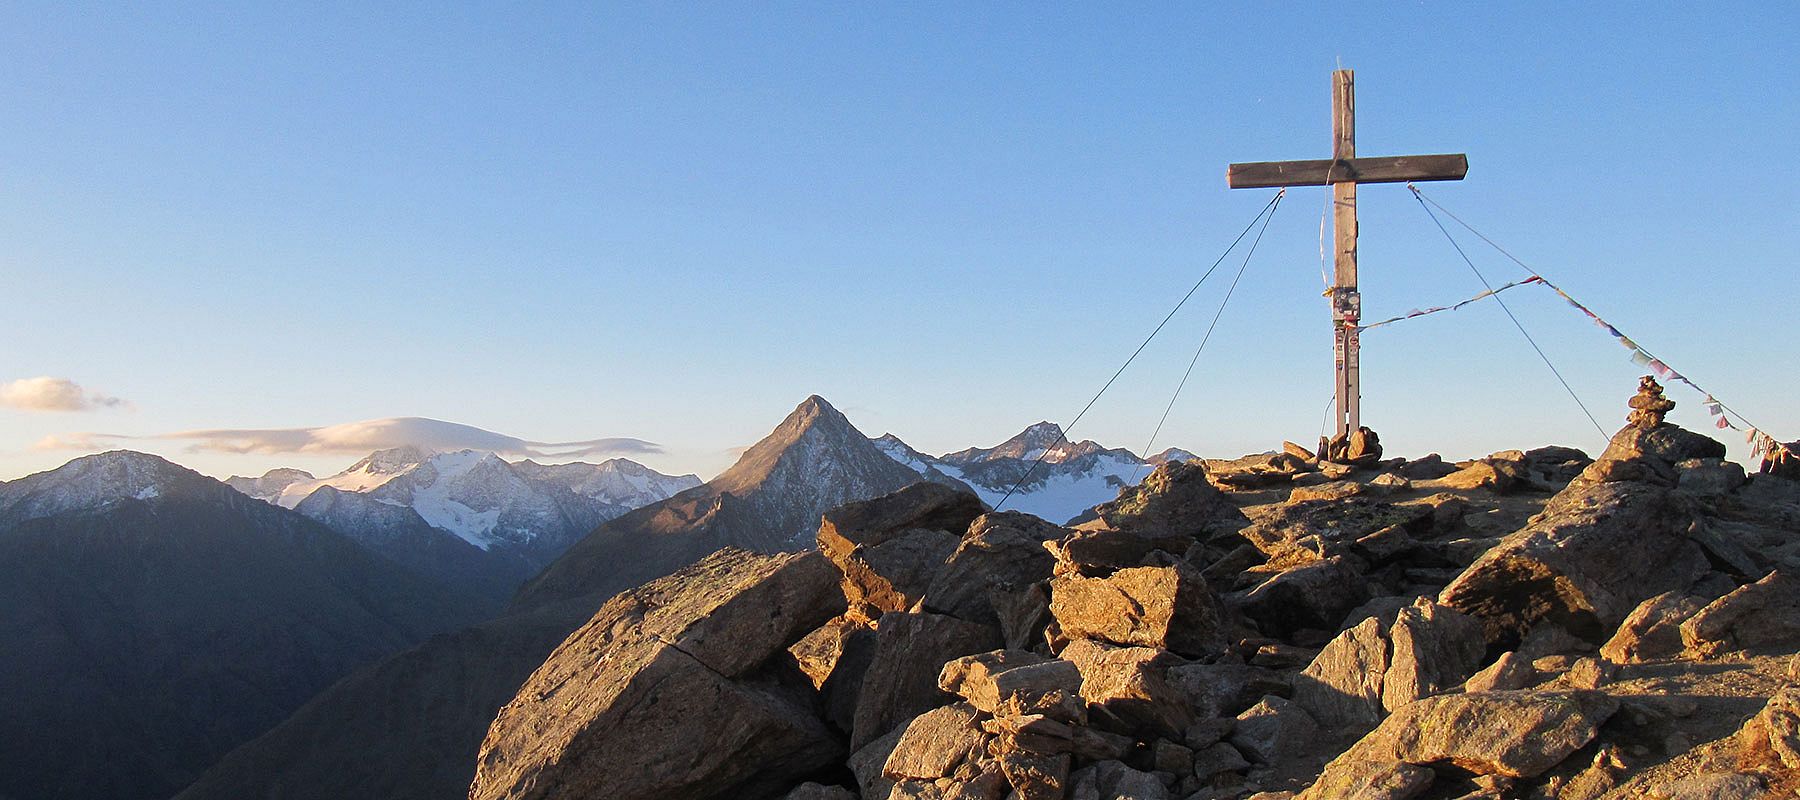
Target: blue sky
point(674, 221)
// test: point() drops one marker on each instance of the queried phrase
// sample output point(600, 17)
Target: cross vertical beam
point(1346, 301)
point(1342, 173)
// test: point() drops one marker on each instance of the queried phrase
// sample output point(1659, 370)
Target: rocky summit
point(1532, 624)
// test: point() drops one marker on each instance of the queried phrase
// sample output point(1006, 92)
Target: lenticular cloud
point(380, 434)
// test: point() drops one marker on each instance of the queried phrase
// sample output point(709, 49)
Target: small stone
point(1509, 671)
point(1591, 673)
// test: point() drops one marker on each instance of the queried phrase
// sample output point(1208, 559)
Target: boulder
point(1652, 631)
point(1035, 776)
point(1372, 780)
point(1334, 490)
point(1216, 758)
point(1167, 607)
point(1175, 497)
point(1434, 649)
point(1583, 563)
point(901, 682)
point(1497, 475)
point(1316, 595)
point(1127, 689)
point(1274, 730)
point(1001, 555)
point(1709, 477)
point(890, 547)
point(1226, 689)
point(609, 713)
point(1013, 683)
point(1760, 614)
point(1510, 734)
point(1431, 467)
point(1664, 442)
point(945, 742)
point(868, 763)
point(1341, 688)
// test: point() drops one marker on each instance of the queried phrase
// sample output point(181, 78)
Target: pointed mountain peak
point(814, 431)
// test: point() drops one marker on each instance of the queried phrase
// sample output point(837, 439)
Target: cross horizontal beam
point(1380, 169)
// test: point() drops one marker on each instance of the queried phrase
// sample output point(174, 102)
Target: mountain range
point(154, 619)
point(408, 727)
point(166, 622)
point(467, 518)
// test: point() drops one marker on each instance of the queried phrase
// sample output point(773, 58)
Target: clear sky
point(674, 221)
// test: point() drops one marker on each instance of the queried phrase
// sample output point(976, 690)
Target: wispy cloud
point(362, 437)
point(54, 394)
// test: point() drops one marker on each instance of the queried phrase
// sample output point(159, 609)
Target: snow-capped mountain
point(1071, 478)
point(94, 482)
point(466, 516)
point(617, 481)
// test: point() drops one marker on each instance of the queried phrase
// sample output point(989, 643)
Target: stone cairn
point(1649, 406)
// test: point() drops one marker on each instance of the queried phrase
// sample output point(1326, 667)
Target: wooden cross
point(1342, 172)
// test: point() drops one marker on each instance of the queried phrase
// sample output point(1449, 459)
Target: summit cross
point(1342, 172)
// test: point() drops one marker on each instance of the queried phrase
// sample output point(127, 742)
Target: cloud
point(53, 394)
point(362, 437)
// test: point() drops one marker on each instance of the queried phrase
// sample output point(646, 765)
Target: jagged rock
point(1034, 732)
point(1712, 786)
point(834, 657)
point(1763, 613)
point(890, 548)
point(1341, 688)
point(1593, 554)
point(819, 791)
point(1434, 649)
point(1710, 477)
point(817, 653)
point(1509, 671)
point(1001, 555)
point(1012, 683)
point(1773, 735)
point(609, 713)
point(1553, 467)
point(1112, 780)
point(1127, 688)
point(1174, 497)
point(1652, 631)
point(1298, 451)
point(1315, 596)
point(1273, 730)
point(1782, 461)
point(910, 651)
point(1168, 607)
point(1512, 734)
point(1022, 614)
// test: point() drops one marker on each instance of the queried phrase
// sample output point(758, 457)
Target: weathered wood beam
point(1380, 169)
